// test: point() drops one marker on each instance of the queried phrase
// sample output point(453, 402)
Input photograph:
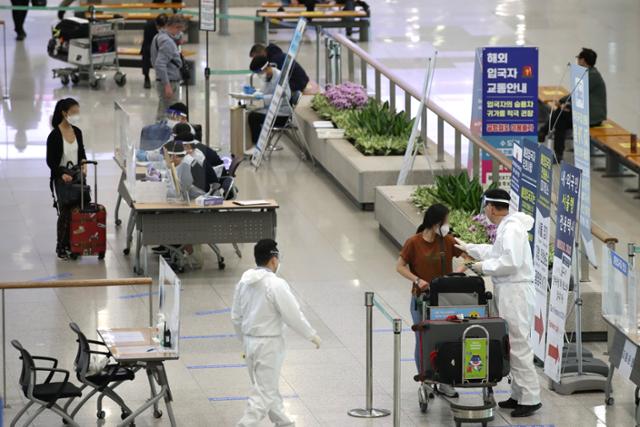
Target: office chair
point(47, 393)
point(103, 382)
point(291, 128)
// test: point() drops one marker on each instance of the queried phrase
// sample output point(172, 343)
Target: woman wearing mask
point(426, 255)
point(64, 146)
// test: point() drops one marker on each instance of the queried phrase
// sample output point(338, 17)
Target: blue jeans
point(416, 316)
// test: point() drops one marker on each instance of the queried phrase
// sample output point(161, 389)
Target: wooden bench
point(609, 137)
point(278, 5)
point(135, 5)
point(319, 19)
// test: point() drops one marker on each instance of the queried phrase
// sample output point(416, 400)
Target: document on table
point(251, 202)
point(121, 337)
point(138, 349)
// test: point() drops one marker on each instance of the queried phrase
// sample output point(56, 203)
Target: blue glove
point(258, 96)
point(248, 89)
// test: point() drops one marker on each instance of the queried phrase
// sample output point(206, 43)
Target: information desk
point(623, 355)
point(135, 347)
point(319, 19)
point(183, 224)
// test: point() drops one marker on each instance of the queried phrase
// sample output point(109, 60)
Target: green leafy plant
point(458, 192)
point(467, 228)
point(374, 129)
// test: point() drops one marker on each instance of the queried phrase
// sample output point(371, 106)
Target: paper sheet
point(125, 337)
point(628, 359)
point(251, 202)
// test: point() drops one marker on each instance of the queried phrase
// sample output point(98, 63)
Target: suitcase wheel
point(101, 256)
point(73, 256)
point(126, 251)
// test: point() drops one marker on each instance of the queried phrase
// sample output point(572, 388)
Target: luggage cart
point(91, 55)
point(461, 297)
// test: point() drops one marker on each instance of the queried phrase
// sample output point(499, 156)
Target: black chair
point(291, 128)
point(103, 382)
point(47, 393)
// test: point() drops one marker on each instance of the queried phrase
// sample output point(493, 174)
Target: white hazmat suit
point(510, 264)
point(262, 305)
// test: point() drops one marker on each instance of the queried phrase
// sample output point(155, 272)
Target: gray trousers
point(163, 102)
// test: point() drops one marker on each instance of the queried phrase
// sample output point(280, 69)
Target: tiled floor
point(332, 251)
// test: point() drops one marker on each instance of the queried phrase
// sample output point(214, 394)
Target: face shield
point(486, 200)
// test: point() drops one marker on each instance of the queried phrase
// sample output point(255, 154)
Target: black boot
point(147, 82)
point(508, 404)
point(525, 410)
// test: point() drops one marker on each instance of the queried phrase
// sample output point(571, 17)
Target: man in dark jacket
point(299, 80)
point(562, 119)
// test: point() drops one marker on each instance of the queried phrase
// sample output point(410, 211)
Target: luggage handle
point(95, 182)
point(487, 337)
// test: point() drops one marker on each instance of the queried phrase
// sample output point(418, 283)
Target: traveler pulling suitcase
point(89, 224)
point(460, 345)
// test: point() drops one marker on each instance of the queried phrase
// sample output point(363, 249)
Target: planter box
point(398, 219)
point(357, 174)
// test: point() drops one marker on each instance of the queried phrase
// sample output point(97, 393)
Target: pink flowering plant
point(346, 96)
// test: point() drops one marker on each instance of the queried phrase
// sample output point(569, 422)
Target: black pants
point(256, 120)
point(19, 15)
point(64, 222)
point(561, 121)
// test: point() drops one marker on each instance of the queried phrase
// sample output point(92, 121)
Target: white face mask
point(171, 123)
point(73, 119)
point(444, 230)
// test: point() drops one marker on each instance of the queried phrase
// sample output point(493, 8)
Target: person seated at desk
point(270, 76)
point(182, 162)
point(298, 80)
point(195, 148)
point(561, 118)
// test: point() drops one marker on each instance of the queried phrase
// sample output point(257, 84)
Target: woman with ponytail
point(426, 255)
point(65, 148)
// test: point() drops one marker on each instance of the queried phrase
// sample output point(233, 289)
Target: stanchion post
point(397, 343)
point(5, 95)
point(207, 93)
point(4, 353)
point(369, 411)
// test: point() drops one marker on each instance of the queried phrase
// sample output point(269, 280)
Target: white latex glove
point(463, 246)
point(316, 340)
point(477, 268)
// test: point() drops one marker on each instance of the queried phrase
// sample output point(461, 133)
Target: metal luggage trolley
point(90, 55)
point(470, 302)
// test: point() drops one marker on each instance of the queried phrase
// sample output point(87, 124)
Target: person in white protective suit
point(509, 262)
point(262, 305)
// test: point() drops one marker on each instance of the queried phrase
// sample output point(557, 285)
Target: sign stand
point(578, 376)
point(278, 95)
point(412, 149)
point(207, 24)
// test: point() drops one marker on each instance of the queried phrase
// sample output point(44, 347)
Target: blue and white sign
point(276, 101)
point(541, 252)
point(581, 148)
point(516, 173)
point(566, 218)
point(529, 181)
point(509, 98)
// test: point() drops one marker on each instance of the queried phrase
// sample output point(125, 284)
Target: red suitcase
point(89, 224)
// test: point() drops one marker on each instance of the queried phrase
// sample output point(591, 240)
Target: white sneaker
point(447, 390)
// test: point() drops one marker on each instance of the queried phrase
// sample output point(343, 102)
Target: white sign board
point(407, 162)
point(207, 15)
point(628, 359)
point(277, 100)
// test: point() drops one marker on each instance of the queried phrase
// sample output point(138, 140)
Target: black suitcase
point(441, 349)
point(443, 288)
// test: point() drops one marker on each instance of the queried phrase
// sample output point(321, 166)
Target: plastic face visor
point(491, 199)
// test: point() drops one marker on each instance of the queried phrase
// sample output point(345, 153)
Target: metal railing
point(90, 283)
point(335, 47)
